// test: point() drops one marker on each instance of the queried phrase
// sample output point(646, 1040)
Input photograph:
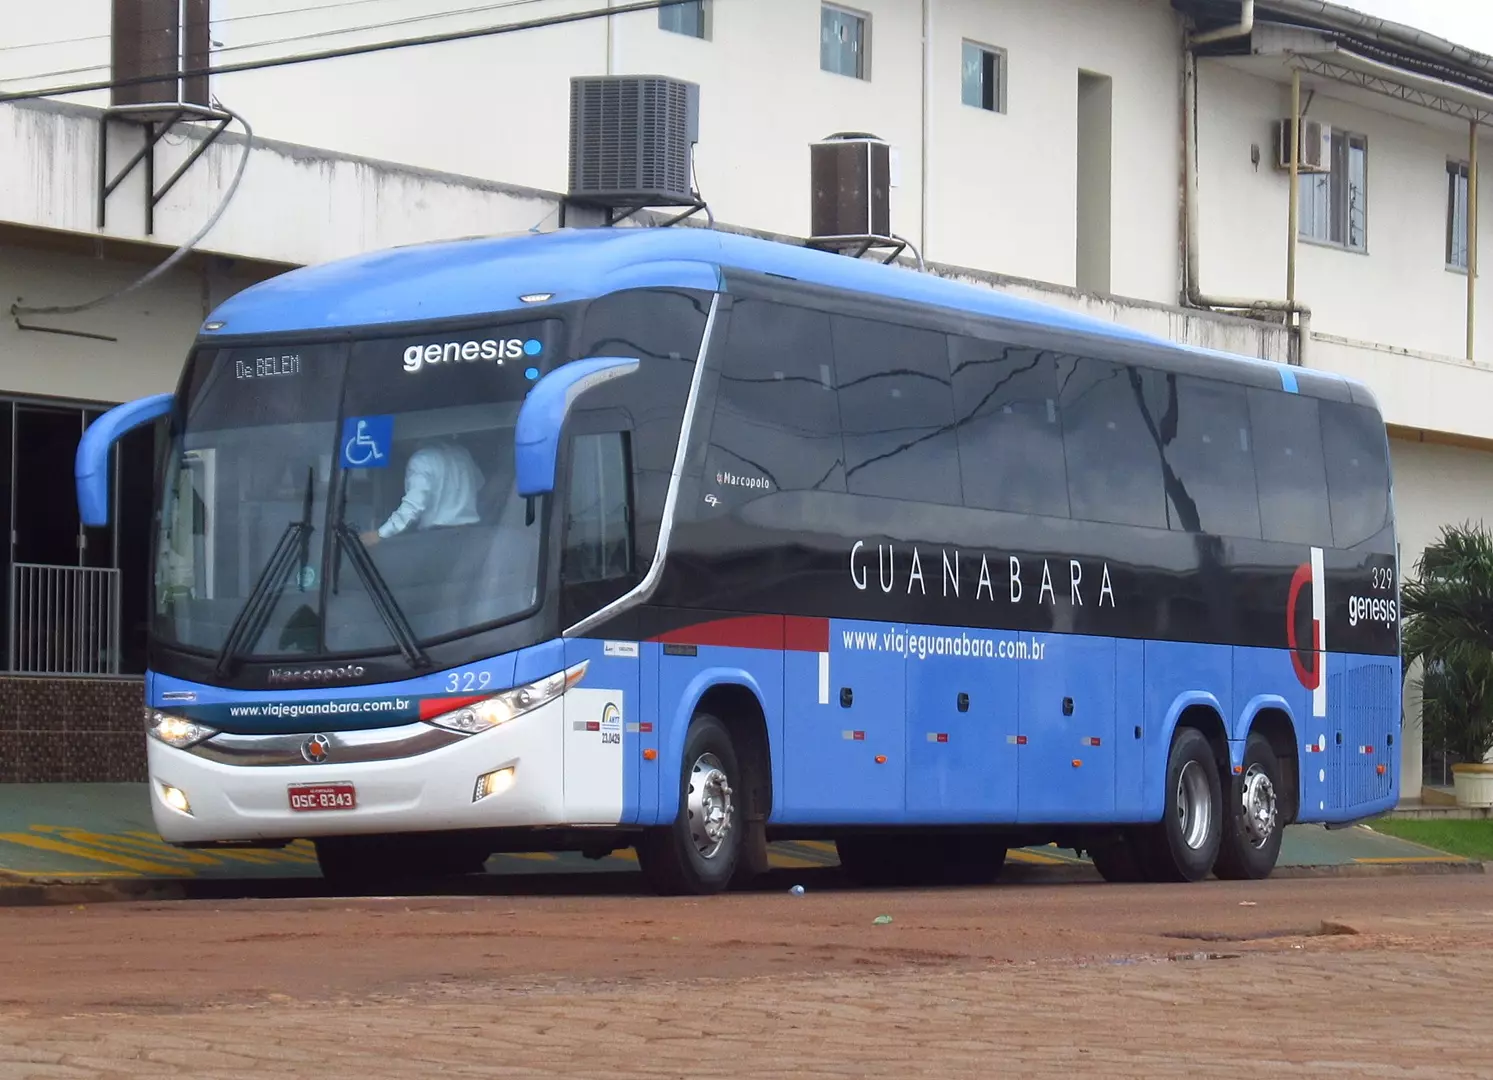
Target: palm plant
point(1448, 613)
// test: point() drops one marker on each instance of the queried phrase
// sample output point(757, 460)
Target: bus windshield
point(332, 499)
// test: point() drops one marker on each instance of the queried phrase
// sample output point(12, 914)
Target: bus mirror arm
point(91, 466)
point(542, 417)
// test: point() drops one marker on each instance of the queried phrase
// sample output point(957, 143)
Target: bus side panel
point(1363, 706)
point(601, 722)
point(1131, 771)
point(1067, 717)
point(961, 767)
point(845, 754)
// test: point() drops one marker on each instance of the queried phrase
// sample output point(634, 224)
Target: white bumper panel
point(431, 791)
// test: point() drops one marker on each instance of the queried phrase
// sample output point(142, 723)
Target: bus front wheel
point(698, 852)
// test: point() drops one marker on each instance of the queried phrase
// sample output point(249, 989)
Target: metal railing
point(64, 620)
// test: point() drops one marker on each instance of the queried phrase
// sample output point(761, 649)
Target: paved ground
point(104, 831)
point(1292, 978)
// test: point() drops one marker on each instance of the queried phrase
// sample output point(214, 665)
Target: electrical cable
point(316, 35)
point(17, 310)
point(587, 15)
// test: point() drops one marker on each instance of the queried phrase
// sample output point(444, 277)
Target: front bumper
point(233, 795)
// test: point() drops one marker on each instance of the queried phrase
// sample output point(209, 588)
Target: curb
point(19, 891)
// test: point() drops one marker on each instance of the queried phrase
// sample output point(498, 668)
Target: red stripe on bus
point(755, 632)
point(438, 706)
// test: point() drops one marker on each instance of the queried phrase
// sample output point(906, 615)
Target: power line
point(307, 9)
point(312, 36)
point(337, 54)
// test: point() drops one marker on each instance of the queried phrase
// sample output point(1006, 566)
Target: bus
point(686, 541)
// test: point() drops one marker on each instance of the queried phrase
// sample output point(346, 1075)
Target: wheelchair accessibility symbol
point(365, 442)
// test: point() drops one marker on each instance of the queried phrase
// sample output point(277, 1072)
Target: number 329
point(468, 680)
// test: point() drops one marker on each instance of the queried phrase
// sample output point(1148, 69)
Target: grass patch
point(1470, 839)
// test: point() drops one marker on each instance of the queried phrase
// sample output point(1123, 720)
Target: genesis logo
point(452, 352)
point(316, 675)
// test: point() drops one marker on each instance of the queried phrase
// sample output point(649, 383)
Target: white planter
point(1473, 784)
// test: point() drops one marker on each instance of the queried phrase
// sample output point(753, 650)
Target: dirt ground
point(1385, 977)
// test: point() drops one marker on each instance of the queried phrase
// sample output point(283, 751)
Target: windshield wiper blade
point(382, 596)
point(250, 621)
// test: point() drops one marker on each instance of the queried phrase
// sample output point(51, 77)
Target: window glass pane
point(597, 541)
point(1113, 456)
point(972, 75)
point(1357, 471)
point(841, 42)
point(1010, 441)
point(1358, 193)
point(1289, 468)
point(777, 418)
point(896, 411)
point(684, 18)
point(46, 521)
point(1316, 191)
point(1210, 477)
point(1456, 216)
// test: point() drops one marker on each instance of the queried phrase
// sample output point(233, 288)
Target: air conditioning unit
point(632, 140)
point(851, 177)
point(1315, 155)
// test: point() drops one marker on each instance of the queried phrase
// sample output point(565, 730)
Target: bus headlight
point(176, 731)
point(510, 704)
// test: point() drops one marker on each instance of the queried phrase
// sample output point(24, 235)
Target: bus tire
point(1252, 830)
point(697, 854)
point(1184, 845)
point(1118, 861)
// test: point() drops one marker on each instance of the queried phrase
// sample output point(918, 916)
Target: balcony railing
point(64, 620)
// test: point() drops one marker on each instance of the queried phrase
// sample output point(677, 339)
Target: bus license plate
point(323, 797)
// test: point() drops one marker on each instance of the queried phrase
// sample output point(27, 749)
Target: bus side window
point(1290, 467)
point(598, 518)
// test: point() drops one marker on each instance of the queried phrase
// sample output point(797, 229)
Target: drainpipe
point(1472, 197)
point(927, 140)
point(1194, 295)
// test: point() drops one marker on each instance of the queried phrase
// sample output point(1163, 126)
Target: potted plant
point(1448, 612)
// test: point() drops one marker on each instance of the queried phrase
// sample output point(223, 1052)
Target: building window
point(983, 77)
point(686, 17)
point(842, 41)
point(1334, 205)
point(1456, 215)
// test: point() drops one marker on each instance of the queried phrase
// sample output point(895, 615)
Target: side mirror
point(542, 417)
point(91, 466)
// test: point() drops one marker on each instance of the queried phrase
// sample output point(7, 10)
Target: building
point(1124, 157)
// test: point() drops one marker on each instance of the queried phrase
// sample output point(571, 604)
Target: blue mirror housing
point(91, 466)
point(540, 420)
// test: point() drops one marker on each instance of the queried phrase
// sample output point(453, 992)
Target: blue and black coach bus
point(687, 541)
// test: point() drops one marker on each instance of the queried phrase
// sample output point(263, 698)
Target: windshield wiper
point(382, 596)
point(250, 621)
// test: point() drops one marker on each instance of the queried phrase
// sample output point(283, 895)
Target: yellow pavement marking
point(1025, 856)
point(536, 856)
point(784, 861)
point(43, 843)
point(1413, 859)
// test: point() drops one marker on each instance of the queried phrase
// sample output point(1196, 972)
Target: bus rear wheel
point(697, 854)
point(1252, 826)
point(1184, 845)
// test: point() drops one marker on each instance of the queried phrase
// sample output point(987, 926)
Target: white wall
point(151, 329)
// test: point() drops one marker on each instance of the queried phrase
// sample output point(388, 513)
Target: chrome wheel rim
point(1194, 806)
point(710, 806)
point(1259, 806)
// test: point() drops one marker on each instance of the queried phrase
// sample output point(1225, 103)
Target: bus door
point(598, 565)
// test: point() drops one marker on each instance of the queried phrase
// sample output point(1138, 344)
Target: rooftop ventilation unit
point(850, 173)
point(632, 140)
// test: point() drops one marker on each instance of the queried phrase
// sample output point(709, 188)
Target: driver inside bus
point(441, 483)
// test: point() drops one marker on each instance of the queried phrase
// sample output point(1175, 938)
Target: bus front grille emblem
point(316, 749)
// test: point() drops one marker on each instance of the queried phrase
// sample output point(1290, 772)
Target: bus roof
point(488, 275)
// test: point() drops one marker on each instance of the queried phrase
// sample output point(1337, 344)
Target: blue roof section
point(452, 279)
